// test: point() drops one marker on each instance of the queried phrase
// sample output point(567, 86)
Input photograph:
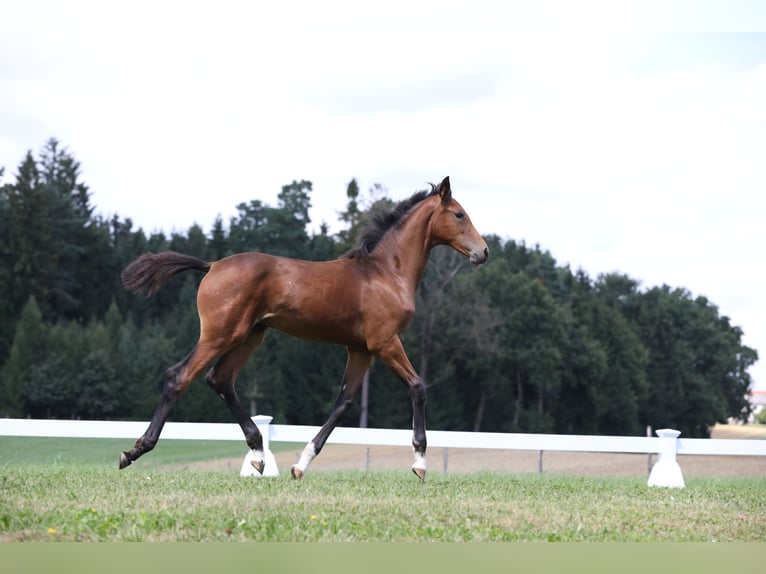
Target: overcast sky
point(619, 136)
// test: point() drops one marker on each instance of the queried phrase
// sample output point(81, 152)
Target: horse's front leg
point(394, 356)
point(356, 366)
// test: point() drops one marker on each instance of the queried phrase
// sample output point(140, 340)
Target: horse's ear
point(445, 192)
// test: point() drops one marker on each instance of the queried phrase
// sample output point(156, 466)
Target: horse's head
point(452, 226)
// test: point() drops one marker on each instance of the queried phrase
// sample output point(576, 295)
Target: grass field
point(102, 453)
point(54, 489)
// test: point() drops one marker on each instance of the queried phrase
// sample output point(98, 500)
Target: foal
point(363, 300)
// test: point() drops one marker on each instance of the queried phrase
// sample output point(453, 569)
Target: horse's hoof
point(258, 465)
point(124, 460)
point(296, 472)
point(420, 473)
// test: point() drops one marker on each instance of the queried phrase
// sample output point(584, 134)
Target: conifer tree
point(29, 348)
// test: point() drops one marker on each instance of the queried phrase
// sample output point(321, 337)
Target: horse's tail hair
point(152, 270)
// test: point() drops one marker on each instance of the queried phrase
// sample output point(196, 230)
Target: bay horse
point(362, 300)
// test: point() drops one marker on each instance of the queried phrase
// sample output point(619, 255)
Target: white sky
point(620, 136)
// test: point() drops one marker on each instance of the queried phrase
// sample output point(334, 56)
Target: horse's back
point(264, 267)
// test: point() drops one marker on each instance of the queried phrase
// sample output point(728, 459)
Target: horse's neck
point(406, 250)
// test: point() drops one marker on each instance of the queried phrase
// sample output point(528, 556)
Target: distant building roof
point(758, 397)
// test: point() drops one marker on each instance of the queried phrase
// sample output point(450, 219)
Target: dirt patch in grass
point(739, 431)
point(459, 460)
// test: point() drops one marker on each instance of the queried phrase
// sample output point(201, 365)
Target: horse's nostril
point(486, 253)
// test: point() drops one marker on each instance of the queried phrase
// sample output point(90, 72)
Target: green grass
point(67, 503)
point(82, 496)
point(104, 452)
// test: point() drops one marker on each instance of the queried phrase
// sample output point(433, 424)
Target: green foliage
point(519, 344)
point(29, 349)
point(697, 364)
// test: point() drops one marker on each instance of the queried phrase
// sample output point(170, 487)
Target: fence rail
point(383, 437)
point(667, 445)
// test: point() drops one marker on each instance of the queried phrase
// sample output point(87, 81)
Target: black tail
point(152, 270)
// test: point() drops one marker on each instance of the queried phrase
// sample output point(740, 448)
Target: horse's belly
point(316, 330)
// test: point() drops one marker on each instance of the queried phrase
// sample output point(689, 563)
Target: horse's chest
point(390, 312)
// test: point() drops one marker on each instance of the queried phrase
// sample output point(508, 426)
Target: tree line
point(521, 344)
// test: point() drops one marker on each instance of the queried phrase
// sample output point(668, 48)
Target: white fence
point(667, 445)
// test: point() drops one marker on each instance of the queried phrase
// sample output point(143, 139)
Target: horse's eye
point(459, 214)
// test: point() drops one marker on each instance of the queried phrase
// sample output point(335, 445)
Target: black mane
point(382, 221)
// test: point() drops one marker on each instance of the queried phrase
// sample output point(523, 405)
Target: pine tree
point(352, 217)
point(29, 348)
point(218, 244)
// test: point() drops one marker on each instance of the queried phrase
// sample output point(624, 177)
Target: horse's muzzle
point(479, 257)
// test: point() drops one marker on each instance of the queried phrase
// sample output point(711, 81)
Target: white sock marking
point(420, 461)
point(307, 456)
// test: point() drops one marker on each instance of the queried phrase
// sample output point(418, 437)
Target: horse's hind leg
point(177, 380)
point(221, 379)
point(356, 366)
